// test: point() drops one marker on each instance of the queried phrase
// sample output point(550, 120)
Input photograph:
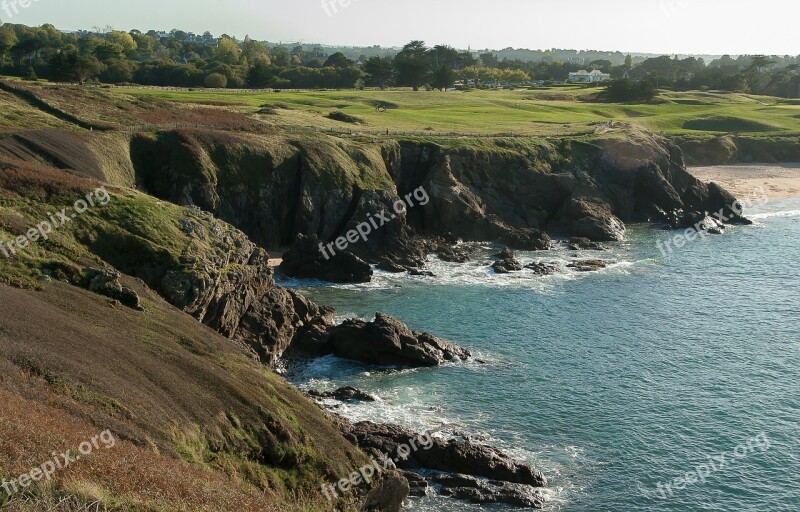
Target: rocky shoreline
point(243, 194)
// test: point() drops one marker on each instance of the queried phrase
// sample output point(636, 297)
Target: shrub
point(216, 81)
point(338, 115)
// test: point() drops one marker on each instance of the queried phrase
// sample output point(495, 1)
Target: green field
point(550, 111)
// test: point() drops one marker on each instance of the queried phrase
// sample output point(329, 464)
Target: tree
point(412, 65)
point(628, 90)
point(380, 70)
point(216, 81)
point(338, 60)
point(108, 51)
point(443, 78)
point(86, 68)
point(760, 63)
point(254, 50)
point(489, 60)
point(628, 61)
point(124, 40)
point(227, 51)
point(280, 56)
point(117, 71)
point(8, 38)
point(261, 75)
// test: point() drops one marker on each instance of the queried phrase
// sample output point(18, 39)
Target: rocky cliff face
point(518, 192)
point(506, 190)
point(231, 289)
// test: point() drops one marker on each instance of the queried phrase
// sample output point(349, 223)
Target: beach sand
point(777, 181)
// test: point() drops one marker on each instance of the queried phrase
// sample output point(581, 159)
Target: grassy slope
point(210, 428)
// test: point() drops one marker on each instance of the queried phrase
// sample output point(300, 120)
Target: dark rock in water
point(105, 281)
point(391, 266)
point(423, 273)
point(417, 483)
point(388, 341)
point(456, 254)
point(507, 263)
point(543, 269)
point(476, 490)
point(527, 239)
point(582, 243)
point(397, 264)
point(505, 254)
point(451, 456)
point(305, 259)
point(588, 218)
point(388, 494)
point(587, 265)
point(345, 394)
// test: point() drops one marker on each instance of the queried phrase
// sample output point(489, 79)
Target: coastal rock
point(306, 260)
point(451, 456)
point(589, 218)
point(229, 286)
point(507, 263)
point(543, 269)
point(395, 264)
point(387, 341)
point(587, 265)
point(481, 491)
point(345, 394)
point(584, 244)
point(105, 281)
point(527, 239)
point(388, 494)
point(455, 254)
point(418, 483)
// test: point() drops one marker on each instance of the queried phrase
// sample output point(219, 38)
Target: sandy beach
point(778, 181)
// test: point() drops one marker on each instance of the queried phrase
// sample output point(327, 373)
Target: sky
point(712, 27)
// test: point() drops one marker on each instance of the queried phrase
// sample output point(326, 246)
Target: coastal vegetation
point(179, 58)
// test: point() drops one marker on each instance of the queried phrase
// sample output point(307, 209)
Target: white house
point(588, 77)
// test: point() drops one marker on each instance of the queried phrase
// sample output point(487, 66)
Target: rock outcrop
point(476, 490)
point(587, 265)
point(105, 281)
point(584, 244)
point(543, 269)
point(384, 341)
point(307, 259)
point(463, 469)
point(507, 262)
point(388, 494)
point(345, 394)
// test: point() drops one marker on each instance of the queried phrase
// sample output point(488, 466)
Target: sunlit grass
point(546, 111)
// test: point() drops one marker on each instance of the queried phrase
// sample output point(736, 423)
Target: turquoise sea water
point(613, 382)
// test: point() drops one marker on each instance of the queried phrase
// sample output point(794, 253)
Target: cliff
point(516, 191)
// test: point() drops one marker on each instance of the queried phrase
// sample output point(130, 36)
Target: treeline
point(183, 59)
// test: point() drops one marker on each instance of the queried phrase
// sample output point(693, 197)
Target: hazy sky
point(656, 26)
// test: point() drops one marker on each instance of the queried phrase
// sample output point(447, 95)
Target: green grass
point(559, 110)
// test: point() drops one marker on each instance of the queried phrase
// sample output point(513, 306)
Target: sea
point(668, 381)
